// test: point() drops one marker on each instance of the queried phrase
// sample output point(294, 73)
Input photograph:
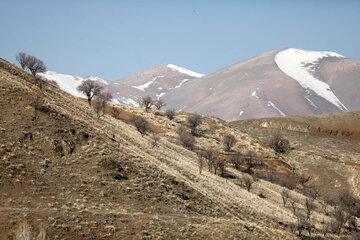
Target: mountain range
point(283, 82)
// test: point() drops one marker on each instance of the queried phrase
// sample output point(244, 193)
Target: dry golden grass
point(81, 196)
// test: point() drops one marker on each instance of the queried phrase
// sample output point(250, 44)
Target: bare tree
point(229, 141)
point(146, 102)
point(200, 155)
point(285, 196)
point(221, 163)
point(159, 103)
point(90, 88)
point(193, 121)
point(248, 182)
point(170, 114)
point(309, 207)
point(35, 65)
point(101, 102)
point(140, 123)
point(97, 108)
point(155, 139)
point(236, 159)
point(22, 58)
point(209, 156)
point(293, 204)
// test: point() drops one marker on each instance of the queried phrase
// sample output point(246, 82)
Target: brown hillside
point(67, 175)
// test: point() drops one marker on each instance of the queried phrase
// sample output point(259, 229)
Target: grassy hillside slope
point(67, 175)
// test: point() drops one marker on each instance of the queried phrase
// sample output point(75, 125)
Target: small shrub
point(36, 101)
point(186, 139)
point(52, 82)
point(279, 144)
point(170, 114)
point(285, 196)
point(248, 182)
point(140, 123)
point(229, 141)
point(155, 140)
point(115, 112)
point(193, 121)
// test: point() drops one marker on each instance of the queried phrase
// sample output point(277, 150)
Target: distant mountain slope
point(283, 82)
point(157, 81)
point(278, 83)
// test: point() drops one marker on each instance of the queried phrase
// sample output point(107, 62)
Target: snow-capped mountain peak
point(301, 66)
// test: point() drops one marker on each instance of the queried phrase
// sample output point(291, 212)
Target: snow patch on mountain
point(158, 96)
point(147, 84)
point(271, 104)
point(69, 83)
point(127, 101)
point(184, 70)
point(254, 94)
point(181, 83)
point(300, 65)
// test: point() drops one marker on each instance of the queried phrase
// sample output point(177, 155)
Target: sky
point(113, 39)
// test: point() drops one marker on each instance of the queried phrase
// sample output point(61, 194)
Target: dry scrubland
point(65, 174)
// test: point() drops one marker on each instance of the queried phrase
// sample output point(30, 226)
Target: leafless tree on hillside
point(285, 194)
point(147, 102)
point(22, 58)
point(155, 139)
point(309, 207)
point(35, 65)
point(209, 156)
point(159, 103)
point(101, 102)
point(90, 88)
point(229, 141)
point(193, 121)
point(248, 182)
point(200, 155)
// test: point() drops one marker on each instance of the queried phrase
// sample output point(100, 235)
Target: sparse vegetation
point(229, 141)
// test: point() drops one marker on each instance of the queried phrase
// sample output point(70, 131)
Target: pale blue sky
point(112, 39)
